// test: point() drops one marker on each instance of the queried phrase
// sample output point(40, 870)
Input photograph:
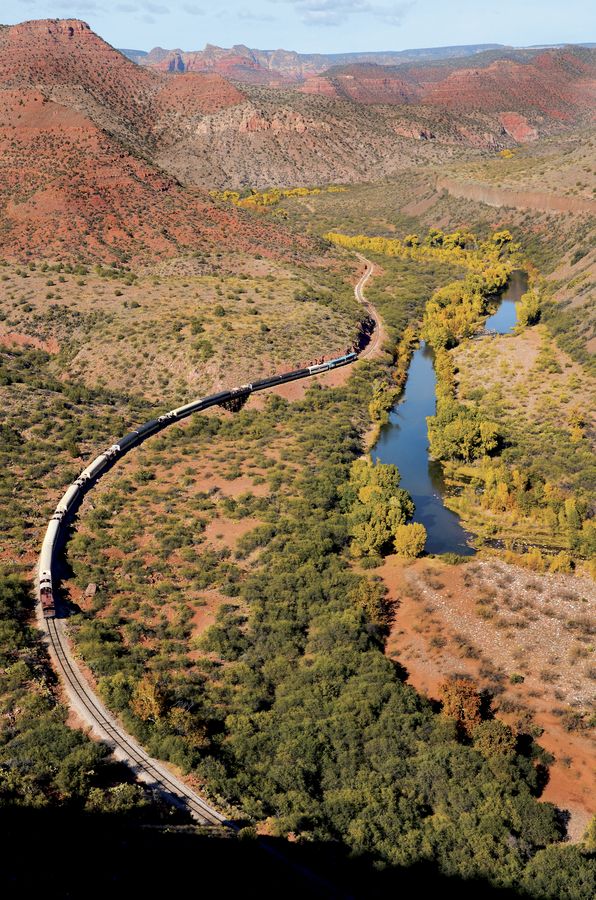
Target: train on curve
point(95, 469)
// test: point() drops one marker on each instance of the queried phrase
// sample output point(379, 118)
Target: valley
point(382, 673)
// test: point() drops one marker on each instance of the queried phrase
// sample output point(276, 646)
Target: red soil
point(71, 186)
point(16, 339)
point(435, 609)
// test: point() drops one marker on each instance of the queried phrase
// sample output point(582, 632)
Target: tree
point(411, 240)
point(434, 238)
point(148, 699)
point(494, 738)
point(459, 432)
point(409, 540)
point(462, 702)
point(384, 396)
point(379, 506)
point(500, 238)
point(369, 596)
point(528, 311)
point(562, 562)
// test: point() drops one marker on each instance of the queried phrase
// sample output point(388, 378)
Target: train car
point(182, 411)
point(243, 389)
point(149, 428)
point(273, 380)
point(98, 465)
point(46, 595)
point(127, 441)
point(70, 497)
point(212, 400)
point(333, 363)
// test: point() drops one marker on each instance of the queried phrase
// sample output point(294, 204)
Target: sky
point(323, 26)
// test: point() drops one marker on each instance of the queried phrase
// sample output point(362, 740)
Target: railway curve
point(81, 697)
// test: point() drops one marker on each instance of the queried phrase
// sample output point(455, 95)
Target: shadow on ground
point(50, 854)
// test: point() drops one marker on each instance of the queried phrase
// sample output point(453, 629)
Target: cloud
point(393, 14)
point(155, 9)
point(337, 12)
point(328, 12)
point(79, 6)
point(192, 10)
point(248, 15)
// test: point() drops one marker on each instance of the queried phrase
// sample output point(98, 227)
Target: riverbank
point(535, 493)
point(404, 440)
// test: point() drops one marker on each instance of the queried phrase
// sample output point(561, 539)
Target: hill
point(558, 85)
point(102, 155)
point(79, 130)
point(285, 67)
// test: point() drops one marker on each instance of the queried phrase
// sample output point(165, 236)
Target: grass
point(535, 392)
point(168, 338)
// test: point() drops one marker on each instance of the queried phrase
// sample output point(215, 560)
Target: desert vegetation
point(247, 591)
point(186, 333)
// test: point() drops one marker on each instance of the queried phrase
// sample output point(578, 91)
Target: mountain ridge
point(286, 67)
point(127, 152)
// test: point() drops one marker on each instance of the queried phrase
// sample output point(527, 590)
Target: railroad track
point(122, 745)
point(82, 698)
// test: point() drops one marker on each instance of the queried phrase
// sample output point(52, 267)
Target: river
point(404, 440)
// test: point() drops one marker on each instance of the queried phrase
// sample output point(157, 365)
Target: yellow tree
point(409, 540)
point(148, 699)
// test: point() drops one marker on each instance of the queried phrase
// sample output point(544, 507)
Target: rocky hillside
point(79, 128)
point(96, 151)
point(361, 122)
point(556, 85)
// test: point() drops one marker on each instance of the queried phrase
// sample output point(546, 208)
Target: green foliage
point(383, 399)
point(562, 872)
point(43, 762)
point(379, 506)
point(460, 432)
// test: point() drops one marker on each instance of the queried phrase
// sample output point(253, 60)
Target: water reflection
point(504, 319)
point(404, 442)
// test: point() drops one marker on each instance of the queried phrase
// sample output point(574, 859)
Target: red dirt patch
point(222, 532)
point(489, 621)
point(16, 339)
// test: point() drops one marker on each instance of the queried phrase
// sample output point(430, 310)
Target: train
point(98, 466)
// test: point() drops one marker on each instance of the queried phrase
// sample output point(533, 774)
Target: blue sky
point(324, 26)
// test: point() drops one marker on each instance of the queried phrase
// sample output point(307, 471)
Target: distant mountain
point(553, 84)
point(285, 67)
point(136, 56)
